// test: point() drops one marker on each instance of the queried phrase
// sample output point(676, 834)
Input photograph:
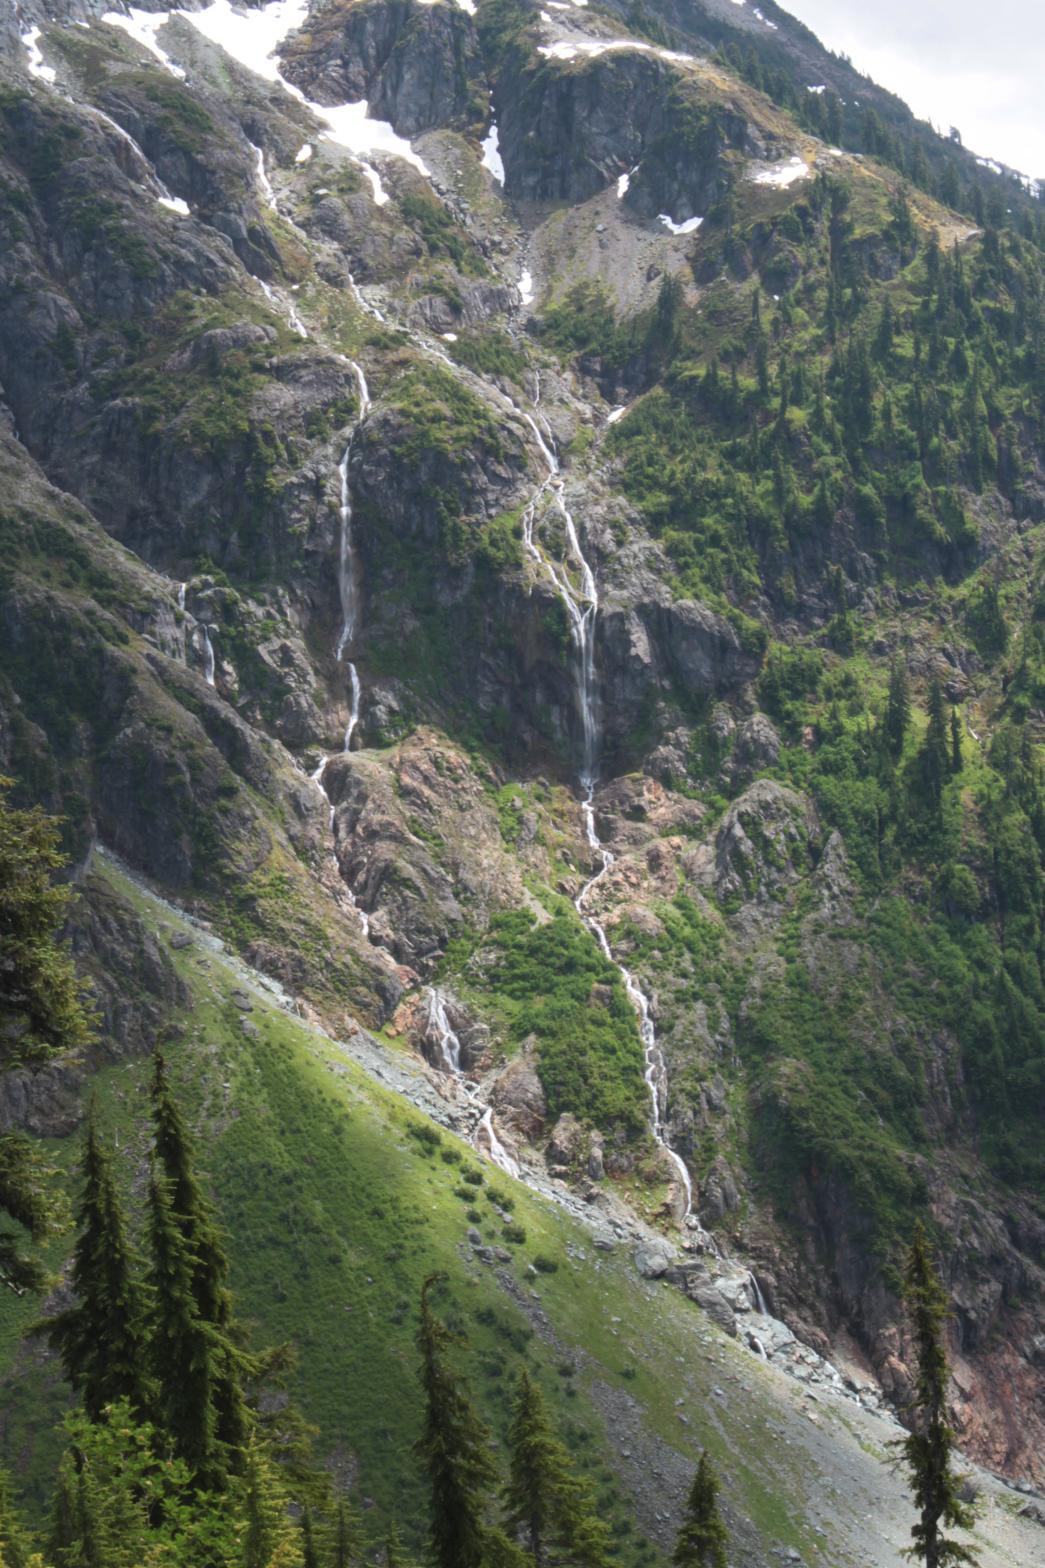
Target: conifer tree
point(344, 1537)
point(956, 742)
point(545, 1502)
point(929, 1447)
point(309, 1554)
point(182, 1345)
point(702, 1538)
point(897, 708)
point(934, 757)
point(194, 1214)
point(101, 1338)
point(454, 1448)
point(14, 1544)
point(40, 1013)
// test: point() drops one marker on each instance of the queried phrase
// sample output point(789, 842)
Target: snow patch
point(526, 286)
point(782, 174)
point(623, 182)
point(37, 68)
point(766, 20)
point(690, 226)
point(820, 88)
point(590, 48)
point(492, 159)
point(174, 204)
point(616, 413)
point(449, 337)
point(143, 26)
point(303, 154)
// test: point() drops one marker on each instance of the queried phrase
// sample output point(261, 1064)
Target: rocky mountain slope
point(551, 572)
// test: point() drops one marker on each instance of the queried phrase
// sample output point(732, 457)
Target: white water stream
point(575, 583)
point(440, 1030)
point(348, 594)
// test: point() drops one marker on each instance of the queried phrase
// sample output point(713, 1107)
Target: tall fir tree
point(934, 761)
point(702, 1538)
point(956, 741)
point(181, 1344)
point(897, 708)
point(930, 1446)
point(40, 1013)
point(101, 1338)
point(546, 1503)
point(195, 1216)
point(309, 1550)
point(344, 1537)
point(454, 1448)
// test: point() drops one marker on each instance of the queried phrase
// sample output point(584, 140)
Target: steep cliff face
point(484, 473)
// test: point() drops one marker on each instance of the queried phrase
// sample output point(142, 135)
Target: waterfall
point(346, 572)
point(582, 607)
point(264, 183)
point(208, 654)
point(163, 195)
point(317, 780)
point(494, 1147)
point(441, 1028)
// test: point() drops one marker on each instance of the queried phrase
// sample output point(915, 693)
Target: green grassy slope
point(339, 1198)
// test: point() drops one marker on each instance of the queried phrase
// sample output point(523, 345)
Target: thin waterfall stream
point(348, 595)
point(582, 607)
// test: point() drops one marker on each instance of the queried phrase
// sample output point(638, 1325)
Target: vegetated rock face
point(205, 543)
point(418, 66)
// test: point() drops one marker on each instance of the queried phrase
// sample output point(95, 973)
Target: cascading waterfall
point(347, 593)
point(208, 654)
point(582, 607)
point(346, 572)
point(440, 1030)
point(360, 914)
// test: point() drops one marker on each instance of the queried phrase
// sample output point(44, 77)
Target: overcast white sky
point(976, 64)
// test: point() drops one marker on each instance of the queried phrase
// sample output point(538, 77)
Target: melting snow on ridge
point(252, 39)
point(573, 48)
point(37, 68)
point(143, 26)
point(492, 159)
point(782, 173)
point(690, 226)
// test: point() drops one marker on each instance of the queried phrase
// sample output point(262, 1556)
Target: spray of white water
point(577, 588)
point(441, 1033)
point(208, 654)
point(360, 914)
point(347, 585)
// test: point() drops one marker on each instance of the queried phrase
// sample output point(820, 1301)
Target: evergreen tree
point(101, 1338)
point(182, 1345)
point(897, 708)
point(344, 1538)
point(309, 1554)
point(545, 1502)
point(194, 1214)
point(14, 1544)
point(702, 1538)
point(956, 742)
point(454, 1448)
point(929, 1447)
point(40, 1013)
point(934, 757)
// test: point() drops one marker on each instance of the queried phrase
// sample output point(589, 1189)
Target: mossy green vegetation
point(336, 1203)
